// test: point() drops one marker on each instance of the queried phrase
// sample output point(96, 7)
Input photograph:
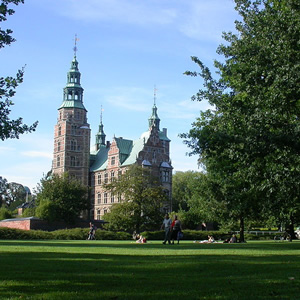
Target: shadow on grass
point(261, 245)
point(61, 275)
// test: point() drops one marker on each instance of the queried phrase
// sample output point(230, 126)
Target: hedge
point(65, 234)
point(82, 234)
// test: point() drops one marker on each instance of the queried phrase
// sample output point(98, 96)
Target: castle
point(72, 151)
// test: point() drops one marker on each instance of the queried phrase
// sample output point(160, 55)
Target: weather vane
point(101, 114)
point(155, 90)
point(75, 47)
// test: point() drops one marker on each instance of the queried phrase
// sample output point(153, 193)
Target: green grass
point(125, 270)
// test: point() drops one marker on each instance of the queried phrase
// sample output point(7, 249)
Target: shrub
point(5, 213)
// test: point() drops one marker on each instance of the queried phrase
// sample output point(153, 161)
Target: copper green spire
point(73, 92)
point(154, 120)
point(100, 136)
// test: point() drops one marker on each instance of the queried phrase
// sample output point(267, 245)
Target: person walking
point(176, 227)
point(167, 226)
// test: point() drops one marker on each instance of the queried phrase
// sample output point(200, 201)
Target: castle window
point(98, 198)
point(58, 146)
point(119, 198)
point(113, 160)
point(165, 176)
point(73, 129)
point(73, 161)
point(105, 198)
point(99, 179)
point(119, 173)
point(58, 161)
point(106, 178)
point(73, 145)
point(105, 211)
point(59, 130)
point(98, 214)
point(112, 176)
point(112, 198)
point(70, 95)
point(76, 96)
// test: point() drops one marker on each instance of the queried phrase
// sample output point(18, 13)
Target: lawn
point(126, 270)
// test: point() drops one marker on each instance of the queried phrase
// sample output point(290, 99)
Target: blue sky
point(125, 48)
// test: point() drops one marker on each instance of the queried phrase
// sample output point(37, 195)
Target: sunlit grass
point(126, 270)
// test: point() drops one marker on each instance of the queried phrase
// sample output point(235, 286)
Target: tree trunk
point(290, 229)
point(242, 230)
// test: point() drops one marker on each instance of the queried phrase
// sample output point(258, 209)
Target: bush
point(18, 234)
point(5, 213)
point(65, 234)
point(188, 235)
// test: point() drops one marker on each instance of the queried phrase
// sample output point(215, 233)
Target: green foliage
point(18, 234)
point(47, 210)
point(29, 212)
point(61, 198)
point(142, 201)
point(5, 213)
point(249, 142)
point(63, 234)
point(10, 128)
point(191, 235)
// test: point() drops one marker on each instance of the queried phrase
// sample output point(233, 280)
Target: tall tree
point(250, 141)
point(61, 198)
point(142, 202)
point(10, 128)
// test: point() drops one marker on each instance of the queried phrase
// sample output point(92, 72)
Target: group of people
point(173, 230)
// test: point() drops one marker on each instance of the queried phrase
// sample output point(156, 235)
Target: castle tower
point(72, 132)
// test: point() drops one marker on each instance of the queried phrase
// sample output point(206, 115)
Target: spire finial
point(75, 45)
point(101, 114)
point(155, 90)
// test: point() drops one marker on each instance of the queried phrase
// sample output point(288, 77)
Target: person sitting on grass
point(233, 239)
point(141, 239)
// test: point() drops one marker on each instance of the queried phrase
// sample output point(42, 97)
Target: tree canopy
point(249, 141)
point(61, 198)
point(10, 128)
point(142, 203)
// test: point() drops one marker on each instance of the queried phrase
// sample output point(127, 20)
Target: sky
point(126, 48)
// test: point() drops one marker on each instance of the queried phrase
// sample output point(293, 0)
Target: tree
point(250, 141)
point(3, 190)
point(10, 128)
point(5, 213)
point(142, 201)
point(61, 198)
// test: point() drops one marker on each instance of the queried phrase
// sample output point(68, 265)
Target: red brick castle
point(108, 160)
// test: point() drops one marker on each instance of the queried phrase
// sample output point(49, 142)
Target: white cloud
point(36, 154)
